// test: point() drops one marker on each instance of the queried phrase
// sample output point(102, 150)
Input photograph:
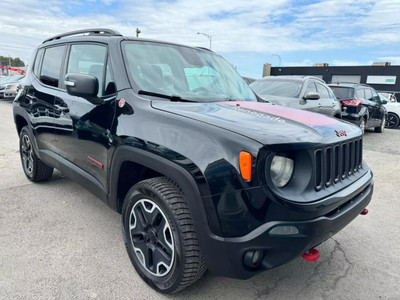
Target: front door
point(308, 104)
point(83, 131)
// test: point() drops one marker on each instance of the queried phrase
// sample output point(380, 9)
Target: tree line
point(15, 62)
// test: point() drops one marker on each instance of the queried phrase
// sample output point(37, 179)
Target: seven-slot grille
point(336, 162)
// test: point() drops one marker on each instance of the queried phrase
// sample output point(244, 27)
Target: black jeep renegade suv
point(172, 137)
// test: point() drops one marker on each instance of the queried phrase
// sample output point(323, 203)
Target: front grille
point(336, 162)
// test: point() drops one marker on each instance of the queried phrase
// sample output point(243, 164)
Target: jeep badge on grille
point(341, 133)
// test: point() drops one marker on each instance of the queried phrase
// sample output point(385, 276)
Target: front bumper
point(226, 256)
point(7, 94)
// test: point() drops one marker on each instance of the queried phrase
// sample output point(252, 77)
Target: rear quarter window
point(51, 66)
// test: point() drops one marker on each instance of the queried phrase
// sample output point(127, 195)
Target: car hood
point(264, 122)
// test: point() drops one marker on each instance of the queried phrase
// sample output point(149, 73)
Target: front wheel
point(160, 237)
point(392, 121)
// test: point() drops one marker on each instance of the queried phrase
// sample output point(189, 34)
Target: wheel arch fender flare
point(163, 166)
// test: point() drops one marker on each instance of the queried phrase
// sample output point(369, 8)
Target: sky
point(247, 33)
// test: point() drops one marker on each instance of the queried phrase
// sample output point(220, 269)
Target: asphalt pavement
point(58, 241)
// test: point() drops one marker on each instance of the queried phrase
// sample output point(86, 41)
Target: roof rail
point(314, 77)
point(94, 31)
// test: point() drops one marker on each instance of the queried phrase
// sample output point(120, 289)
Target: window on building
point(346, 78)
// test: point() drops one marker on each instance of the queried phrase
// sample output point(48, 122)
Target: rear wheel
point(34, 168)
point(159, 236)
point(380, 128)
point(362, 125)
point(392, 121)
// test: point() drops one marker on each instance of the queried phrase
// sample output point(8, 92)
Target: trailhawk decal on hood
point(274, 112)
point(257, 114)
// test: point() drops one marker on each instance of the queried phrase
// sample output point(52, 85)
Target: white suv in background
point(393, 109)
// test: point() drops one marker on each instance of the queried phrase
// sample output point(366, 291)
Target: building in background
point(381, 76)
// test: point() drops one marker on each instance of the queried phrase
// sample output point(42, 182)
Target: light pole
point(137, 32)
point(207, 36)
point(278, 58)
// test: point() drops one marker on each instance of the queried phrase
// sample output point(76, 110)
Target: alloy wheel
point(362, 125)
point(27, 154)
point(391, 121)
point(151, 237)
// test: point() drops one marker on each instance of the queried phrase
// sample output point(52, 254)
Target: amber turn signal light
point(245, 165)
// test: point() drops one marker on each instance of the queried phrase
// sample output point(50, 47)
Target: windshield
point(343, 93)
point(192, 74)
point(281, 88)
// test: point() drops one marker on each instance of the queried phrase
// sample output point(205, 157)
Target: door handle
point(62, 108)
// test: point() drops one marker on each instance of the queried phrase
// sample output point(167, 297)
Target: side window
point(310, 88)
point(88, 59)
point(36, 66)
point(359, 94)
point(375, 96)
point(323, 91)
point(368, 94)
point(109, 86)
point(51, 66)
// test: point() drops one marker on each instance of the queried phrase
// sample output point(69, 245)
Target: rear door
point(378, 108)
point(372, 107)
point(40, 95)
point(83, 137)
point(326, 103)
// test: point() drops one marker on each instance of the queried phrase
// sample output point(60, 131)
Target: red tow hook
point(364, 212)
point(311, 255)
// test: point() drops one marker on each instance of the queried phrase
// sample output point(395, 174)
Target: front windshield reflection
point(190, 73)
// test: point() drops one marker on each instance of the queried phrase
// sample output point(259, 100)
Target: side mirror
point(311, 96)
point(384, 102)
point(83, 85)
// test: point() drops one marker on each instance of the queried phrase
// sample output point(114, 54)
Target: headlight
point(281, 170)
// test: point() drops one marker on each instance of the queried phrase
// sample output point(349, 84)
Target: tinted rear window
point(280, 88)
point(343, 93)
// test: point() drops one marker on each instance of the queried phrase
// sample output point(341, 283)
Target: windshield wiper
point(174, 98)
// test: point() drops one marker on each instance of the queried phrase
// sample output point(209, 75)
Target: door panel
point(327, 104)
point(41, 94)
point(83, 129)
point(372, 109)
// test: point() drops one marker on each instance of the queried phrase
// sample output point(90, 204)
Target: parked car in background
point(388, 96)
point(361, 105)
point(5, 79)
point(303, 92)
point(8, 89)
point(393, 111)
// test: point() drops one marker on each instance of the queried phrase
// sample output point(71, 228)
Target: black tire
point(392, 121)
point(34, 169)
point(183, 263)
point(381, 128)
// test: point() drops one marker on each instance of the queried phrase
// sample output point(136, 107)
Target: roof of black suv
point(100, 34)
